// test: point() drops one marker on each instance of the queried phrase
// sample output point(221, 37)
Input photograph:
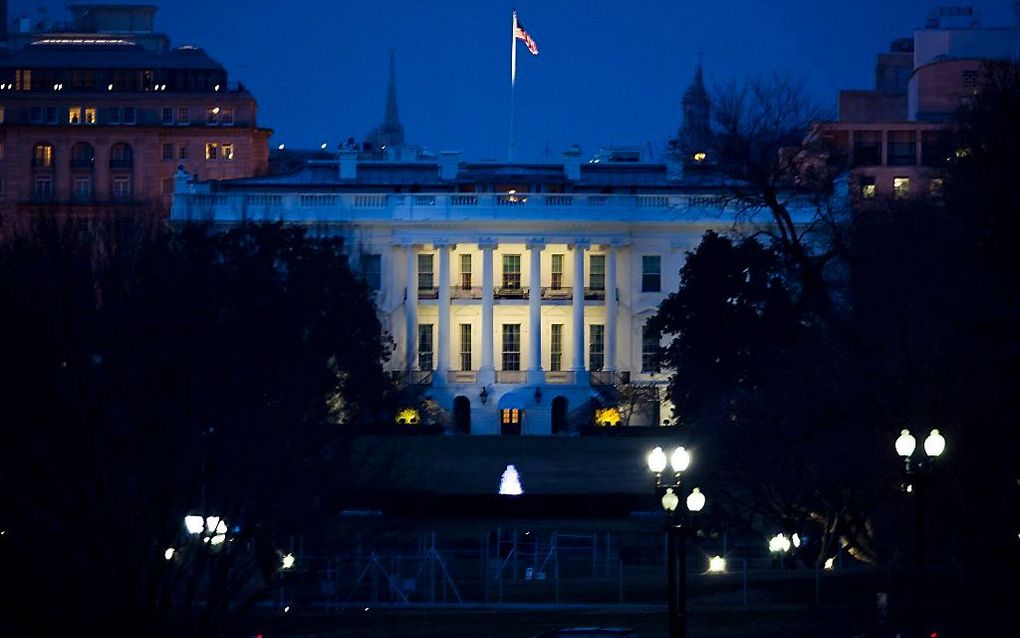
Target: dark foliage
point(149, 375)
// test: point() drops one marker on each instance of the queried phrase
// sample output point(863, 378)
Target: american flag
point(521, 34)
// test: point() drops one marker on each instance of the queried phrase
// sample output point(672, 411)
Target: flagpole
point(513, 78)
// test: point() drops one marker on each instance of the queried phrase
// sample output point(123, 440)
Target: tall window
point(182, 151)
point(183, 117)
point(556, 347)
point(121, 156)
point(425, 346)
point(465, 272)
point(114, 116)
point(465, 346)
point(74, 115)
point(512, 272)
point(557, 271)
point(51, 115)
point(212, 116)
point(371, 266)
point(511, 346)
point(901, 187)
point(43, 188)
point(597, 272)
point(121, 187)
point(867, 148)
point(83, 156)
point(168, 152)
point(651, 273)
point(426, 279)
point(167, 116)
point(42, 156)
point(597, 347)
point(901, 149)
point(227, 151)
point(129, 115)
point(82, 188)
point(649, 348)
point(90, 115)
point(227, 117)
point(212, 151)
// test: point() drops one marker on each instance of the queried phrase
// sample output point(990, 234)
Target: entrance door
point(510, 420)
point(462, 415)
point(559, 415)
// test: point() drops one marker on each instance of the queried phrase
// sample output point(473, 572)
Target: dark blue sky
point(609, 72)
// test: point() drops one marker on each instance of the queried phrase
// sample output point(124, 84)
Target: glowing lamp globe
point(716, 565)
point(680, 459)
point(288, 561)
point(657, 460)
point(905, 444)
point(695, 500)
point(211, 523)
point(670, 500)
point(935, 444)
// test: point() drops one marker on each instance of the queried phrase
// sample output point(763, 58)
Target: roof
point(104, 55)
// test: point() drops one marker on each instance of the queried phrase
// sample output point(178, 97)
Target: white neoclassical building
point(518, 294)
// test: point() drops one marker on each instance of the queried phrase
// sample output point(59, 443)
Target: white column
point(611, 309)
point(443, 359)
point(535, 313)
point(486, 372)
point(411, 309)
point(578, 299)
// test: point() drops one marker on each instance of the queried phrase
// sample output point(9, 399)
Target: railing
point(594, 293)
point(459, 292)
point(559, 377)
point(505, 292)
point(438, 206)
point(557, 293)
point(428, 293)
point(511, 376)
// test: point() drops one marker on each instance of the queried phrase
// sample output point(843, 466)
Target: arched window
point(42, 155)
point(121, 156)
point(83, 156)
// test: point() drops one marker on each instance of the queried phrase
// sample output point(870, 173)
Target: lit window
point(511, 346)
point(465, 272)
point(371, 267)
point(227, 117)
point(183, 117)
point(511, 416)
point(651, 273)
point(465, 346)
point(212, 116)
point(556, 271)
point(597, 272)
point(901, 187)
point(512, 272)
point(1, 114)
point(168, 152)
point(935, 186)
point(596, 347)
point(212, 151)
point(168, 116)
point(425, 346)
point(227, 151)
point(90, 115)
point(74, 115)
point(426, 280)
point(867, 186)
point(42, 156)
point(556, 347)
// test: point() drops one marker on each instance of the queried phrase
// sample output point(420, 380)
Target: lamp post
point(915, 476)
point(676, 565)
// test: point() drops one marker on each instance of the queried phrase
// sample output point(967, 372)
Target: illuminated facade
point(99, 113)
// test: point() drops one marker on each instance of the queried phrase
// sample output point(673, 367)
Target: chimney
point(572, 163)
point(348, 165)
point(449, 164)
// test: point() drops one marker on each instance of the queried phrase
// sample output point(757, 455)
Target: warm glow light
point(221, 528)
point(211, 523)
point(193, 524)
point(670, 500)
point(695, 500)
point(716, 565)
point(607, 417)
point(281, 147)
point(935, 444)
point(779, 543)
point(680, 459)
point(830, 563)
point(169, 553)
point(796, 540)
point(216, 110)
point(700, 157)
point(408, 416)
point(288, 561)
point(657, 460)
point(218, 539)
point(216, 88)
point(905, 444)
point(323, 145)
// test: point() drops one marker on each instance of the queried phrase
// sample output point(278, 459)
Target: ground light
point(717, 565)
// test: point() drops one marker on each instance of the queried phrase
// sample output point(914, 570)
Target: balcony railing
point(594, 293)
point(462, 376)
point(557, 293)
point(511, 376)
point(516, 292)
point(414, 377)
point(459, 292)
point(428, 293)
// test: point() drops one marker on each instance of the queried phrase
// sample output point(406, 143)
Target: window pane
point(372, 269)
point(556, 347)
point(557, 271)
point(651, 271)
point(902, 148)
point(511, 346)
point(649, 348)
point(465, 346)
point(425, 346)
point(425, 279)
point(867, 148)
point(597, 272)
point(596, 347)
point(901, 187)
point(512, 271)
point(465, 271)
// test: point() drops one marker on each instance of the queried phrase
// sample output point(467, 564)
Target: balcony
point(594, 294)
point(558, 293)
point(460, 292)
point(414, 377)
point(511, 292)
point(428, 293)
point(606, 378)
point(518, 377)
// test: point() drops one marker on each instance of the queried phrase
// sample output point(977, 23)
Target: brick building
point(894, 137)
point(98, 113)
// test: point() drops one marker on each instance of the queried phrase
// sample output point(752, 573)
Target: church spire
point(391, 131)
point(695, 135)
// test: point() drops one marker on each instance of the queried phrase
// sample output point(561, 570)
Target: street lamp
point(676, 565)
point(916, 470)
